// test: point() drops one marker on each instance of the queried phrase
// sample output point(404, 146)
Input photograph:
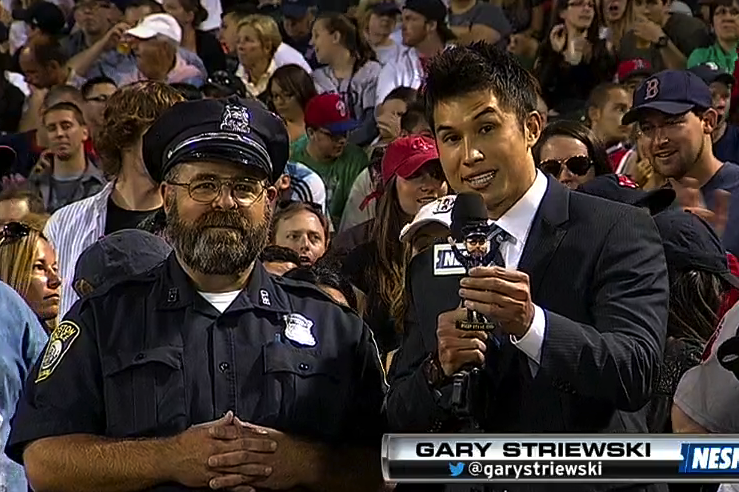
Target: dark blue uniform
point(150, 357)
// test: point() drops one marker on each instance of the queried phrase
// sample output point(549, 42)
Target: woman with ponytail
point(351, 70)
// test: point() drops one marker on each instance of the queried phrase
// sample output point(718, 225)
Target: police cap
point(224, 130)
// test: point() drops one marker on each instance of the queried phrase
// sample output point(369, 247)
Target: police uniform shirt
point(151, 357)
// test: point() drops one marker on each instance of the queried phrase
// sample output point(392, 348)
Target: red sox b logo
point(652, 88)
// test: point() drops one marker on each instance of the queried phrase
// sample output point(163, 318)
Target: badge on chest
point(298, 329)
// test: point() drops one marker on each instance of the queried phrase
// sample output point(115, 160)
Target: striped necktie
point(497, 237)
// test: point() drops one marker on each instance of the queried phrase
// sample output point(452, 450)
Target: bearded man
point(206, 372)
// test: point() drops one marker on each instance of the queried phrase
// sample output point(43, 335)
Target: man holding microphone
point(580, 307)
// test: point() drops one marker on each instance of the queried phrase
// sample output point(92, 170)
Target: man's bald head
point(43, 62)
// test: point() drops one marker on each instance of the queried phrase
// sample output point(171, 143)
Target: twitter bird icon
point(456, 470)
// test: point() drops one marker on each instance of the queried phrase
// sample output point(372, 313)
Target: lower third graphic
point(456, 470)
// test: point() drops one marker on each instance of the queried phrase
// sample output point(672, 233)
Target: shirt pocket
point(304, 390)
point(145, 392)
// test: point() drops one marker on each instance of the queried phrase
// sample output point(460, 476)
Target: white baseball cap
point(156, 25)
point(438, 211)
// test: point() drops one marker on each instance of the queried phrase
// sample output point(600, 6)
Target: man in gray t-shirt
point(482, 21)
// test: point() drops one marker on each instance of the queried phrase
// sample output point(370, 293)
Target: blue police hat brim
point(342, 126)
point(294, 11)
point(667, 107)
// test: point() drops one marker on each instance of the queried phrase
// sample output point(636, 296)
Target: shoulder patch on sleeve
point(61, 339)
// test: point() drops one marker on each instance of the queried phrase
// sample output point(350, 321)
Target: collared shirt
point(517, 222)
point(256, 87)
point(71, 230)
point(89, 183)
point(22, 338)
point(281, 355)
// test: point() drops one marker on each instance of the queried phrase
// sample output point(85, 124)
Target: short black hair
point(480, 66)
point(414, 114)
point(406, 94)
point(279, 254)
point(66, 106)
point(91, 83)
point(326, 272)
point(188, 91)
point(47, 51)
point(240, 10)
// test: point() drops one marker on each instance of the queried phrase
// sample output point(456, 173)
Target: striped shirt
point(305, 184)
point(71, 229)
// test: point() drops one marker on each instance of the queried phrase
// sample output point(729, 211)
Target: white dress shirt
point(517, 223)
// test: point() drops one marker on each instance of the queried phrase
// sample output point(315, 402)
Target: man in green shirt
point(725, 18)
point(325, 150)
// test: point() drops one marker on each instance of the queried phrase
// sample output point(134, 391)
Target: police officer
point(206, 371)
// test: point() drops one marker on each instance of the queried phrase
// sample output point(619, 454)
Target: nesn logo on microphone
point(710, 458)
point(445, 263)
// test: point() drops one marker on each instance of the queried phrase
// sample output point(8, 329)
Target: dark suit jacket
point(598, 271)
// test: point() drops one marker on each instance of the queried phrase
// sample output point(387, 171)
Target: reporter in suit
point(583, 298)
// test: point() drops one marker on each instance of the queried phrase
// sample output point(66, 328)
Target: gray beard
point(211, 251)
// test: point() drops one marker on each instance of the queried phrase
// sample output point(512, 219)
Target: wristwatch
point(662, 42)
point(432, 371)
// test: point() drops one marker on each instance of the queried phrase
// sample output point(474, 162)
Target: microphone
point(470, 226)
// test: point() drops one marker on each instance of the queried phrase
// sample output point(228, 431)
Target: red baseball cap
point(634, 67)
point(406, 155)
point(328, 111)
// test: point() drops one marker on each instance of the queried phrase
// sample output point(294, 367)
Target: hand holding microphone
point(458, 348)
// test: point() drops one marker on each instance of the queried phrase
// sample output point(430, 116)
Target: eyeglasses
point(578, 164)
point(668, 126)
point(14, 231)
point(245, 191)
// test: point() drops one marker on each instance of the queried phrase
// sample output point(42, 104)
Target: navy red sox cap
point(672, 92)
point(223, 130)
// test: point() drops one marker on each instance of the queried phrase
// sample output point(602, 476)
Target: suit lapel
point(547, 232)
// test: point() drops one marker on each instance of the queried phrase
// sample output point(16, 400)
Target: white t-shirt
point(220, 300)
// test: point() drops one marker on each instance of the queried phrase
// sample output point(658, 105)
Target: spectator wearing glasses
point(288, 91)
point(326, 151)
point(570, 152)
point(96, 92)
point(28, 264)
point(725, 22)
point(303, 228)
point(189, 15)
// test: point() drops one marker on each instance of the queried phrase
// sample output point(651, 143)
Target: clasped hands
point(234, 455)
point(501, 295)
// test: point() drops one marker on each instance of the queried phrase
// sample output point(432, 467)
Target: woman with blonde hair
point(258, 40)
point(28, 265)
point(377, 20)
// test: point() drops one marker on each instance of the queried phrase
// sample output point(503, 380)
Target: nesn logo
point(445, 263)
point(702, 458)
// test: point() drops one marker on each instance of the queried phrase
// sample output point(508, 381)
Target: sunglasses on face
point(14, 231)
point(578, 164)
